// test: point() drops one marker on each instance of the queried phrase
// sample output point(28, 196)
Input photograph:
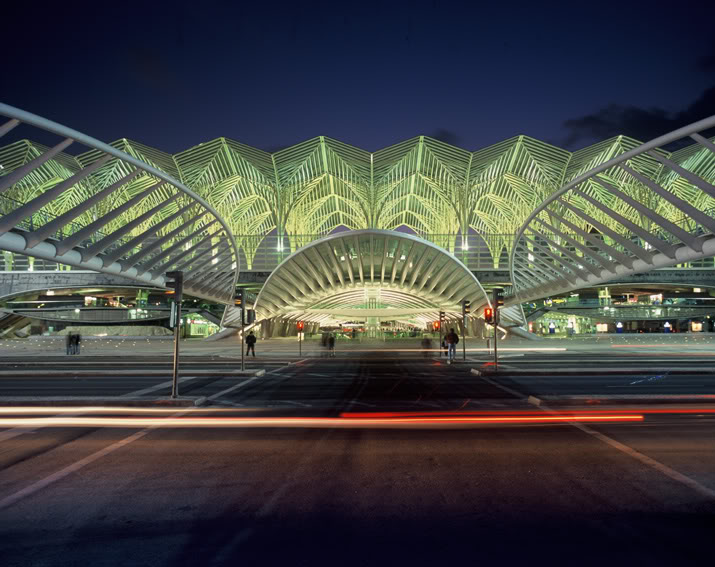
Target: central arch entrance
point(369, 276)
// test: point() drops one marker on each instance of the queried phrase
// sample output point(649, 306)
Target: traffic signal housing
point(466, 307)
point(498, 297)
point(238, 298)
point(489, 315)
point(442, 316)
point(175, 281)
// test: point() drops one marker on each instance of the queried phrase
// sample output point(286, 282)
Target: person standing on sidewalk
point(251, 344)
point(451, 339)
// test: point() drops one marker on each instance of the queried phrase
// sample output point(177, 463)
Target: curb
point(581, 372)
point(106, 372)
point(582, 400)
point(115, 401)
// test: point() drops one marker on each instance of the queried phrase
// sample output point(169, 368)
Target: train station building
point(614, 237)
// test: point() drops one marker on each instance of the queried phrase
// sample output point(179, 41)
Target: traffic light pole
point(496, 339)
point(243, 342)
point(178, 285)
point(497, 302)
point(177, 330)
point(464, 337)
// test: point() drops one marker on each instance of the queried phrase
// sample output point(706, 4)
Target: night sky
point(368, 73)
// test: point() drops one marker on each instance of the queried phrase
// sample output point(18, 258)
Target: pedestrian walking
point(251, 344)
point(451, 339)
point(324, 344)
point(426, 347)
point(331, 344)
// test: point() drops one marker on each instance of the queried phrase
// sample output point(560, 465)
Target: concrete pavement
point(494, 495)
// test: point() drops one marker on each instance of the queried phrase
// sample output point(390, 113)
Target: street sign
point(172, 317)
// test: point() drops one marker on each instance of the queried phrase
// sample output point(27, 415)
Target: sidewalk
point(288, 347)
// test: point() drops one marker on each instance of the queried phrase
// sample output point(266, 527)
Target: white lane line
point(54, 477)
point(246, 382)
point(500, 386)
point(74, 467)
point(17, 431)
point(645, 459)
point(231, 389)
point(150, 389)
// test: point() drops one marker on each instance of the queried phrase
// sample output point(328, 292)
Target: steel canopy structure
point(581, 217)
point(368, 273)
point(110, 212)
point(618, 219)
point(465, 202)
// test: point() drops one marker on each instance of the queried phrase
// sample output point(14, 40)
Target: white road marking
point(501, 387)
point(74, 467)
point(150, 389)
point(293, 403)
point(9, 500)
point(17, 431)
point(356, 403)
point(246, 382)
point(231, 389)
point(645, 459)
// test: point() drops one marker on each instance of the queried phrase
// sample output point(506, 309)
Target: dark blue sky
point(368, 73)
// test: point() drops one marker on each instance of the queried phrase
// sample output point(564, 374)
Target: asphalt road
point(571, 493)
point(392, 377)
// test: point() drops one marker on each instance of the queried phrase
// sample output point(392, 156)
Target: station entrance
point(367, 283)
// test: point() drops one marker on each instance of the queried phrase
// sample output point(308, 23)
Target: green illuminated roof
point(321, 184)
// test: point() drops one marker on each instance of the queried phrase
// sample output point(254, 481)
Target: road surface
point(571, 493)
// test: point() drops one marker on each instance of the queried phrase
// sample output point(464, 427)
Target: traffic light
point(442, 316)
point(250, 316)
point(489, 315)
point(238, 298)
point(466, 307)
point(175, 281)
point(300, 326)
point(435, 325)
point(498, 297)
